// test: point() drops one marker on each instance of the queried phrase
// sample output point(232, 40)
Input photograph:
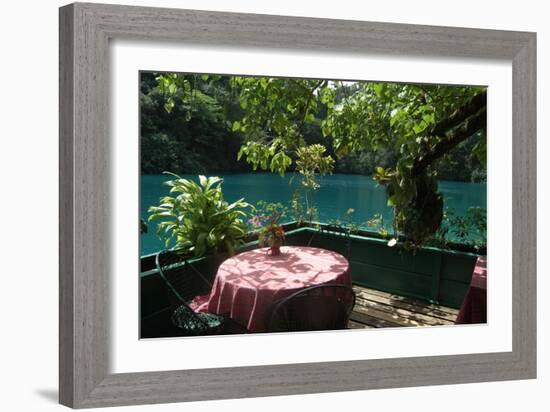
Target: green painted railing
point(431, 274)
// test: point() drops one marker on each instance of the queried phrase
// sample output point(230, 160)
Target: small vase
point(275, 249)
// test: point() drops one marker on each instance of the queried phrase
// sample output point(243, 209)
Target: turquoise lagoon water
point(337, 194)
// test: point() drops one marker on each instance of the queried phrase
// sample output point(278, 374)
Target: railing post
point(436, 281)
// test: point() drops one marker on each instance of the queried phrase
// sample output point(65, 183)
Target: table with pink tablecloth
point(474, 307)
point(248, 283)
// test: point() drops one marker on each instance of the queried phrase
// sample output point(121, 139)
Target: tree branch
point(308, 102)
point(456, 136)
point(475, 104)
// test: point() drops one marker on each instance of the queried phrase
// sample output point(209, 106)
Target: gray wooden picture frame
point(85, 31)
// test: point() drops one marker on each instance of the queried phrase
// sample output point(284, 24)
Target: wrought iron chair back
point(184, 283)
point(320, 307)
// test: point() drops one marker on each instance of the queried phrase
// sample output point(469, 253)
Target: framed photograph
point(257, 205)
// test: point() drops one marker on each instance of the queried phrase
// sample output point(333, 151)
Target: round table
point(248, 283)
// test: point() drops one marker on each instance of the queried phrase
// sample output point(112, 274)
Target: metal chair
point(184, 285)
point(320, 307)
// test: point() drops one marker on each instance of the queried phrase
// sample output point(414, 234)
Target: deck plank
point(377, 309)
point(391, 318)
point(430, 311)
point(402, 316)
point(371, 321)
point(406, 303)
point(358, 325)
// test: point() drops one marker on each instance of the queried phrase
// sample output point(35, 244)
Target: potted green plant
point(197, 219)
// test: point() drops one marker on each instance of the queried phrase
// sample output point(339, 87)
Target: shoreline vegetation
point(332, 209)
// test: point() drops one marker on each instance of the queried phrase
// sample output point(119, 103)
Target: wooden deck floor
point(376, 309)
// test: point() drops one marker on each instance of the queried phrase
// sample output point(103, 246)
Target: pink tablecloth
point(474, 307)
point(247, 284)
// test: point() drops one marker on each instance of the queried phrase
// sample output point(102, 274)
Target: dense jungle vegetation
point(193, 131)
